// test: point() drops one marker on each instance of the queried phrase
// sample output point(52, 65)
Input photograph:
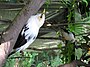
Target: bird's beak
point(44, 11)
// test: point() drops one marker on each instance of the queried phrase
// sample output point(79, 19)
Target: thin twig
point(32, 48)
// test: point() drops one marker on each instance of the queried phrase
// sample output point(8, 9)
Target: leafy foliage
point(35, 59)
point(10, 63)
point(48, 2)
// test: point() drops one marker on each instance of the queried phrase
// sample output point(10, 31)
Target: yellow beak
point(44, 11)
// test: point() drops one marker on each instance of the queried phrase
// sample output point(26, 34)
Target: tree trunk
point(10, 36)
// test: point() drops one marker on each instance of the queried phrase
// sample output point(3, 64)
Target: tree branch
point(11, 35)
point(75, 63)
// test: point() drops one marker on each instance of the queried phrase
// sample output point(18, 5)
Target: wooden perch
point(10, 36)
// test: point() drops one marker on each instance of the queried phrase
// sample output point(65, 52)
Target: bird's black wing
point(21, 38)
point(20, 41)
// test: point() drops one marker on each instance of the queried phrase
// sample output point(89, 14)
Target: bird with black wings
point(29, 32)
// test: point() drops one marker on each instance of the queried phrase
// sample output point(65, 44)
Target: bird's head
point(41, 18)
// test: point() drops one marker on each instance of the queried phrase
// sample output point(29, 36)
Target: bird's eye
point(41, 15)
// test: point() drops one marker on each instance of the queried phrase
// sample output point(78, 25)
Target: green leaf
point(40, 65)
point(85, 2)
point(78, 53)
point(59, 45)
point(56, 62)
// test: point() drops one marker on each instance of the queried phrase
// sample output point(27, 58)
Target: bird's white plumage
point(72, 38)
point(33, 25)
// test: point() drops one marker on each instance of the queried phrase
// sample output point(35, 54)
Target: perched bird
point(69, 40)
point(29, 32)
point(68, 36)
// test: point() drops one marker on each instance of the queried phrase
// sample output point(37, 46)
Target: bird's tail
point(14, 51)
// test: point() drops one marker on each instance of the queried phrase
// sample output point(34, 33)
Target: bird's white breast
point(31, 29)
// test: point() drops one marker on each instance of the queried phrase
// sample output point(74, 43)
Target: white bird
point(29, 32)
